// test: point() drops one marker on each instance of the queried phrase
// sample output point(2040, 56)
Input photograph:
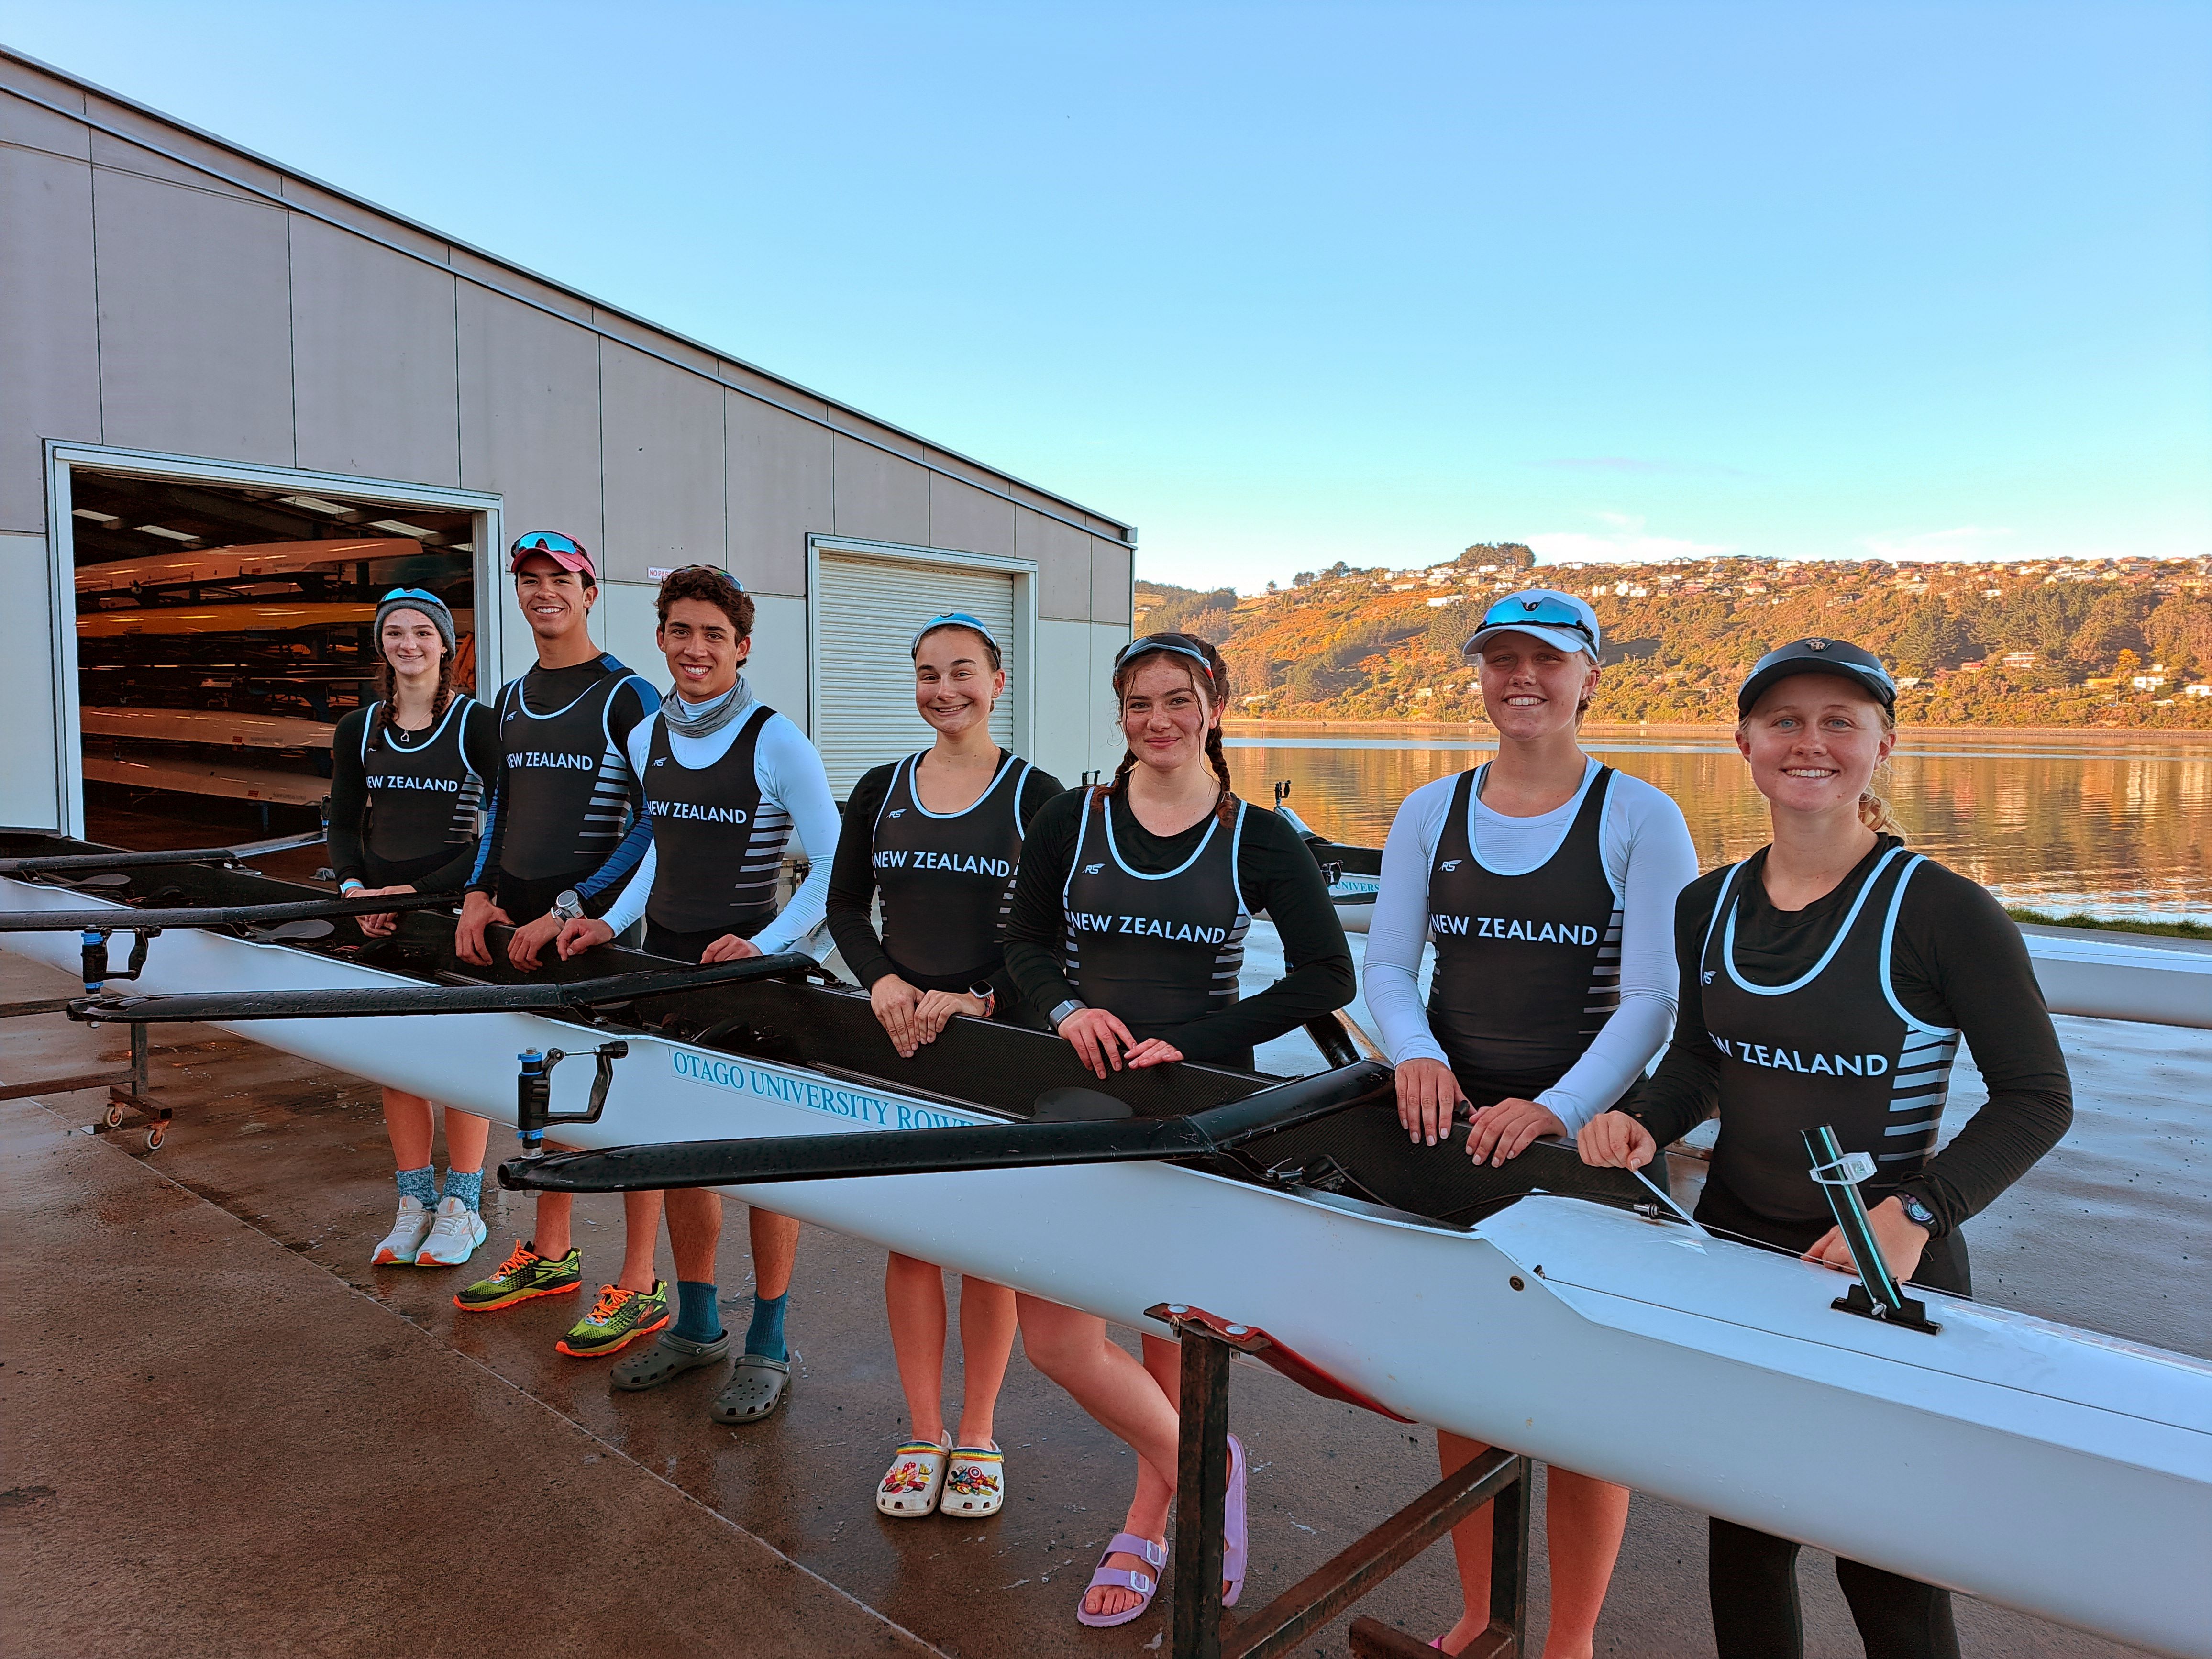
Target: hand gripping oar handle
point(123, 919)
point(60, 864)
point(938, 1151)
point(547, 997)
point(1876, 1294)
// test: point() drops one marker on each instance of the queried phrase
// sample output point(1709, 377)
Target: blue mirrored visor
point(953, 619)
point(1162, 642)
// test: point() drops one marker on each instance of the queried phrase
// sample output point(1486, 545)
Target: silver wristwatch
point(568, 906)
point(1062, 1011)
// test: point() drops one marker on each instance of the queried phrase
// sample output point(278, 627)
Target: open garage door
point(865, 609)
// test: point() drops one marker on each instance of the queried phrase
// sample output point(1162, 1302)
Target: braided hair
point(1215, 693)
point(387, 722)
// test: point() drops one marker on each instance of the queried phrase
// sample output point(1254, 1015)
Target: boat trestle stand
point(126, 1089)
point(1204, 1630)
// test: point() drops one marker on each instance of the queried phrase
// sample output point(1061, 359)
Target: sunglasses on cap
point(548, 541)
point(1160, 642)
point(713, 570)
point(953, 619)
point(1514, 612)
point(413, 593)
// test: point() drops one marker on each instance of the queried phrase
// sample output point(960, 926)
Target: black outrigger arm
point(538, 996)
point(1217, 1130)
point(62, 864)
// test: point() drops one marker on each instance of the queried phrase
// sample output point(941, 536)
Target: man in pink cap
point(561, 800)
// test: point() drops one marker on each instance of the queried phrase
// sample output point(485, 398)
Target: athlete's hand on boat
point(894, 1002)
point(478, 913)
point(1614, 1140)
point(1901, 1239)
point(1098, 1039)
point(528, 941)
point(728, 948)
point(584, 933)
point(937, 1009)
point(1152, 1051)
point(1506, 1130)
point(383, 921)
point(1428, 1095)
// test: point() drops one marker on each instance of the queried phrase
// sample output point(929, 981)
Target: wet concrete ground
point(225, 1434)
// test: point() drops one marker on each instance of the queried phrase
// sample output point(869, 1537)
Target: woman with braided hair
point(407, 780)
point(1128, 929)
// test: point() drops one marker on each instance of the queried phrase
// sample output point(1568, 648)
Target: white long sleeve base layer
point(1649, 859)
point(789, 770)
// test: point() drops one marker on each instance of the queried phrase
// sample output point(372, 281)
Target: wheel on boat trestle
point(153, 1137)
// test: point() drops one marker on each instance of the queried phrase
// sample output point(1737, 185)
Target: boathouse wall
point(169, 299)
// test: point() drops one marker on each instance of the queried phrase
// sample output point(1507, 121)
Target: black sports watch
point(987, 995)
point(1916, 1211)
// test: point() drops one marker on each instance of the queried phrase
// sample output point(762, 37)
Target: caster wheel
point(153, 1137)
point(115, 1116)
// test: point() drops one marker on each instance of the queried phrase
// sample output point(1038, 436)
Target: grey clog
point(757, 1388)
point(669, 1356)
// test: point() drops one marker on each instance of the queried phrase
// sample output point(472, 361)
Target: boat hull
point(2054, 1471)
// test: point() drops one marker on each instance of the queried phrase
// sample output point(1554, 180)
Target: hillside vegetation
point(2105, 642)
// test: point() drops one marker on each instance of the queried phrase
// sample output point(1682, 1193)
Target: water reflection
point(2113, 827)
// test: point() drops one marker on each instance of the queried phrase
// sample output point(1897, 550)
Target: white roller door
point(865, 612)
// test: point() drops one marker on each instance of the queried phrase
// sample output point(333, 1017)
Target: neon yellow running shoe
point(618, 1318)
point(523, 1275)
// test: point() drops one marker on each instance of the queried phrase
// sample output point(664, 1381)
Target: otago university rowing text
point(877, 1111)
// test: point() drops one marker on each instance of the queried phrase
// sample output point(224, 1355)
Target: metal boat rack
point(126, 1089)
point(1204, 1630)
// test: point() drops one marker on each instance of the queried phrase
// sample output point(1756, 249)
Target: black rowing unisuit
point(566, 790)
point(1833, 1046)
point(1528, 966)
point(947, 877)
point(1156, 951)
point(423, 796)
point(717, 843)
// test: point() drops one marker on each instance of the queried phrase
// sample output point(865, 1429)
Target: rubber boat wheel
point(153, 1137)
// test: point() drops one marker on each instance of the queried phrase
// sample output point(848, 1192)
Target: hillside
point(2107, 642)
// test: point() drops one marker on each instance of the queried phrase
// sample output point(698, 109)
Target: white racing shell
point(2053, 1469)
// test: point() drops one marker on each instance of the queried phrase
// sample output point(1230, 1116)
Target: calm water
point(2115, 827)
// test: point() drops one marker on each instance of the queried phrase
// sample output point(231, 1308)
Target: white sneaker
point(453, 1236)
point(408, 1228)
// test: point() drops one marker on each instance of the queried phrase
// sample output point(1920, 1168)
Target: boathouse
point(237, 403)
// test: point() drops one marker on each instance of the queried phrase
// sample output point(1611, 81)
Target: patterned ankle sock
point(697, 1320)
point(465, 1185)
point(764, 1336)
point(421, 1185)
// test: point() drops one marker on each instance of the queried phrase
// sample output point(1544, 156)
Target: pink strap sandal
point(1145, 1584)
point(1235, 1534)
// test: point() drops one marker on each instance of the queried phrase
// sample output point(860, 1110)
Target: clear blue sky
point(1285, 284)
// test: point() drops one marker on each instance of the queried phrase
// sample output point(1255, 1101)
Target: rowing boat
point(259, 783)
point(222, 726)
point(2053, 1469)
point(257, 560)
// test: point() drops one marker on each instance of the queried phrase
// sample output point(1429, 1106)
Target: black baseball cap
point(1852, 662)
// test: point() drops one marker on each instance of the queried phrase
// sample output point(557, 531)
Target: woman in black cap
point(946, 828)
point(1829, 979)
point(407, 780)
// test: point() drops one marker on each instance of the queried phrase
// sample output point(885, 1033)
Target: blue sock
point(697, 1320)
point(764, 1336)
point(421, 1185)
point(467, 1188)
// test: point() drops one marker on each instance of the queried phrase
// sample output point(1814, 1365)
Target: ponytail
point(1873, 806)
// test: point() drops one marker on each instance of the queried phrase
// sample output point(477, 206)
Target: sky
point(1284, 284)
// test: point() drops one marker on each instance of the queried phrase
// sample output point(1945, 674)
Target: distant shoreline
point(1483, 732)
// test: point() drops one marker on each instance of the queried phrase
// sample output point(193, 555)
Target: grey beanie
point(415, 598)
